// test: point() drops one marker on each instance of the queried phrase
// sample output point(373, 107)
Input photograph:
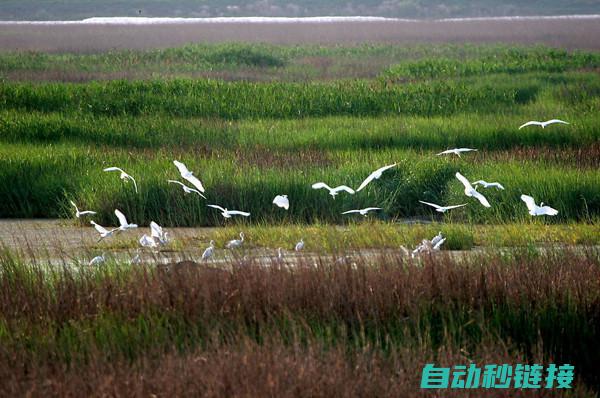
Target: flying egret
point(299, 245)
point(235, 243)
point(442, 209)
point(543, 124)
point(470, 191)
point(229, 213)
point(123, 221)
point(104, 233)
point(188, 175)
point(158, 234)
point(209, 251)
point(148, 241)
point(488, 184)
point(456, 151)
point(536, 210)
point(333, 191)
point(124, 176)
point(374, 176)
point(282, 201)
point(362, 211)
point(186, 189)
point(81, 213)
point(97, 260)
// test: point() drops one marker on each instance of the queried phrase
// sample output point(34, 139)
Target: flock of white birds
point(158, 237)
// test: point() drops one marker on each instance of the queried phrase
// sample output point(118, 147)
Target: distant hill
point(79, 9)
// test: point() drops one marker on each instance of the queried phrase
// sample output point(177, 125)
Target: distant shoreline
point(283, 20)
point(98, 35)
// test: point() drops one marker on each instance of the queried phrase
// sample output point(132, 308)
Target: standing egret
point(374, 176)
point(123, 221)
point(279, 254)
point(158, 234)
point(188, 175)
point(209, 251)
point(442, 209)
point(81, 213)
point(124, 176)
point(438, 238)
point(282, 201)
point(229, 213)
point(362, 211)
point(470, 191)
point(299, 245)
point(333, 191)
point(186, 189)
point(543, 124)
point(104, 233)
point(488, 184)
point(235, 243)
point(536, 210)
point(456, 151)
point(137, 259)
point(97, 260)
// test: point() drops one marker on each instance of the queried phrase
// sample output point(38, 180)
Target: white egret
point(188, 175)
point(279, 254)
point(123, 221)
point(488, 184)
point(299, 246)
point(158, 234)
point(436, 239)
point(374, 176)
point(456, 151)
point(124, 176)
point(438, 244)
point(98, 260)
point(81, 213)
point(362, 211)
point(137, 259)
point(148, 241)
point(282, 201)
point(186, 189)
point(536, 210)
point(442, 209)
point(235, 243)
point(104, 233)
point(333, 191)
point(470, 191)
point(209, 251)
point(543, 124)
point(229, 213)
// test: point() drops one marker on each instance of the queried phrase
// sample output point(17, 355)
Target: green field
point(353, 315)
point(251, 140)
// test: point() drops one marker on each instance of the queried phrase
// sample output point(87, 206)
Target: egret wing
point(371, 209)
point(157, 230)
point(529, 201)
point(431, 204)
point(216, 207)
point(531, 123)
point(455, 206)
point(181, 167)
point(481, 198)
point(366, 182)
point(351, 211)
point(464, 181)
point(121, 217)
point(194, 181)
point(344, 188)
point(320, 185)
point(552, 121)
point(238, 213)
point(99, 228)
point(547, 210)
point(114, 169)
